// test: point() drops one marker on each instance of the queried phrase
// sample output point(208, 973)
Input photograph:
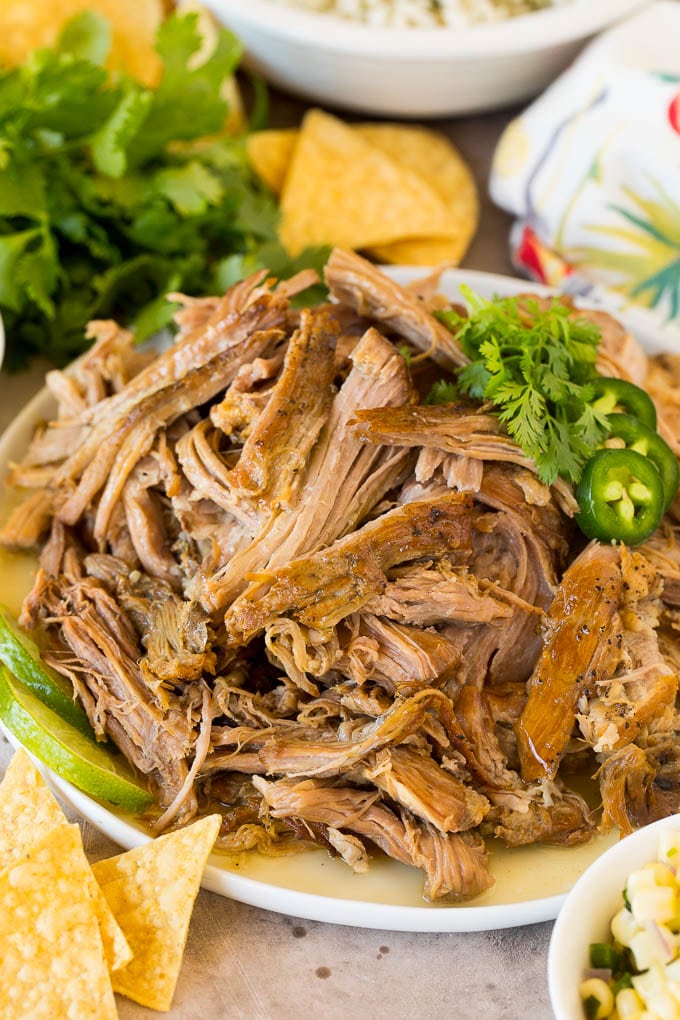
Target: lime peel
point(88, 765)
point(21, 656)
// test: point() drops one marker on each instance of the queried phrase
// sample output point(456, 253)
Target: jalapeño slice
point(610, 394)
point(643, 440)
point(621, 497)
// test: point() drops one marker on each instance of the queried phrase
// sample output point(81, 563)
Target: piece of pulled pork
point(290, 591)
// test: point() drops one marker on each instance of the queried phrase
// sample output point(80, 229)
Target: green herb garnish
point(591, 1006)
point(536, 364)
point(624, 981)
point(444, 391)
point(110, 194)
point(604, 955)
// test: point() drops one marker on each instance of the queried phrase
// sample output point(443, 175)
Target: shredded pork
point(291, 592)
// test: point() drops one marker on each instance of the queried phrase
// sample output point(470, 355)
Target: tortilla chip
point(421, 252)
point(117, 951)
point(28, 813)
point(341, 190)
point(28, 810)
point(270, 153)
point(151, 891)
point(52, 962)
point(437, 161)
point(28, 26)
point(427, 154)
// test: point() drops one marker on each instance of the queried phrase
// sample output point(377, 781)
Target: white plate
point(531, 882)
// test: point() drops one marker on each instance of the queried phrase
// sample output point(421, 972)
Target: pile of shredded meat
point(291, 592)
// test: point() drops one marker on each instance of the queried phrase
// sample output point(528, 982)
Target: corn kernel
point(657, 903)
point(648, 984)
point(673, 987)
point(624, 926)
point(668, 948)
point(600, 990)
point(638, 880)
point(646, 950)
point(662, 874)
point(673, 971)
point(628, 1003)
point(664, 1005)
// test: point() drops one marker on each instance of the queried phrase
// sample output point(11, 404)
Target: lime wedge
point(22, 657)
point(88, 765)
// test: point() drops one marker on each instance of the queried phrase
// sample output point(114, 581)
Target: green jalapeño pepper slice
point(611, 394)
point(620, 496)
point(638, 437)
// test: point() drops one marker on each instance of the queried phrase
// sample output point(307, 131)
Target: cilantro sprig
point(109, 193)
point(535, 363)
point(444, 391)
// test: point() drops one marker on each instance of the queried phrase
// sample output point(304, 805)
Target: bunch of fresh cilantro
point(112, 194)
point(536, 363)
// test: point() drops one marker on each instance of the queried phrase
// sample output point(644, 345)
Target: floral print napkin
point(592, 172)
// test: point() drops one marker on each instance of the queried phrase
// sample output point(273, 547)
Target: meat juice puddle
point(17, 569)
point(522, 874)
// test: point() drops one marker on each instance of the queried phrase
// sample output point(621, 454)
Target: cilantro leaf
point(274, 257)
point(444, 391)
point(187, 103)
point(12, 249)
point(55, 85)
point(36, 271)
point(110, 193)
point(156, 315)
point(190, 188)
point(22, 190)
point(534, 360)
point(86, 36)
point(474, 378)
point(109, 145)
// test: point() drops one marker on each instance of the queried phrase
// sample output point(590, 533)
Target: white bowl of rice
point(416, 58)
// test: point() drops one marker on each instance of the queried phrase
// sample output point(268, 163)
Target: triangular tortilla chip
point(52, 961)
point(437, 161)
point(134, 23)
point(420, 252)
point(340, 190)
point(28, 813)
point(117, 952)
point(270, 153)
point(151, 891)
point(28, 810)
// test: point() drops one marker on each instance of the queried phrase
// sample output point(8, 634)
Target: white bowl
point(414, 72)
point(587, 911)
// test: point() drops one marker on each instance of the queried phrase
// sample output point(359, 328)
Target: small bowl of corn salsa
point(615, 947)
